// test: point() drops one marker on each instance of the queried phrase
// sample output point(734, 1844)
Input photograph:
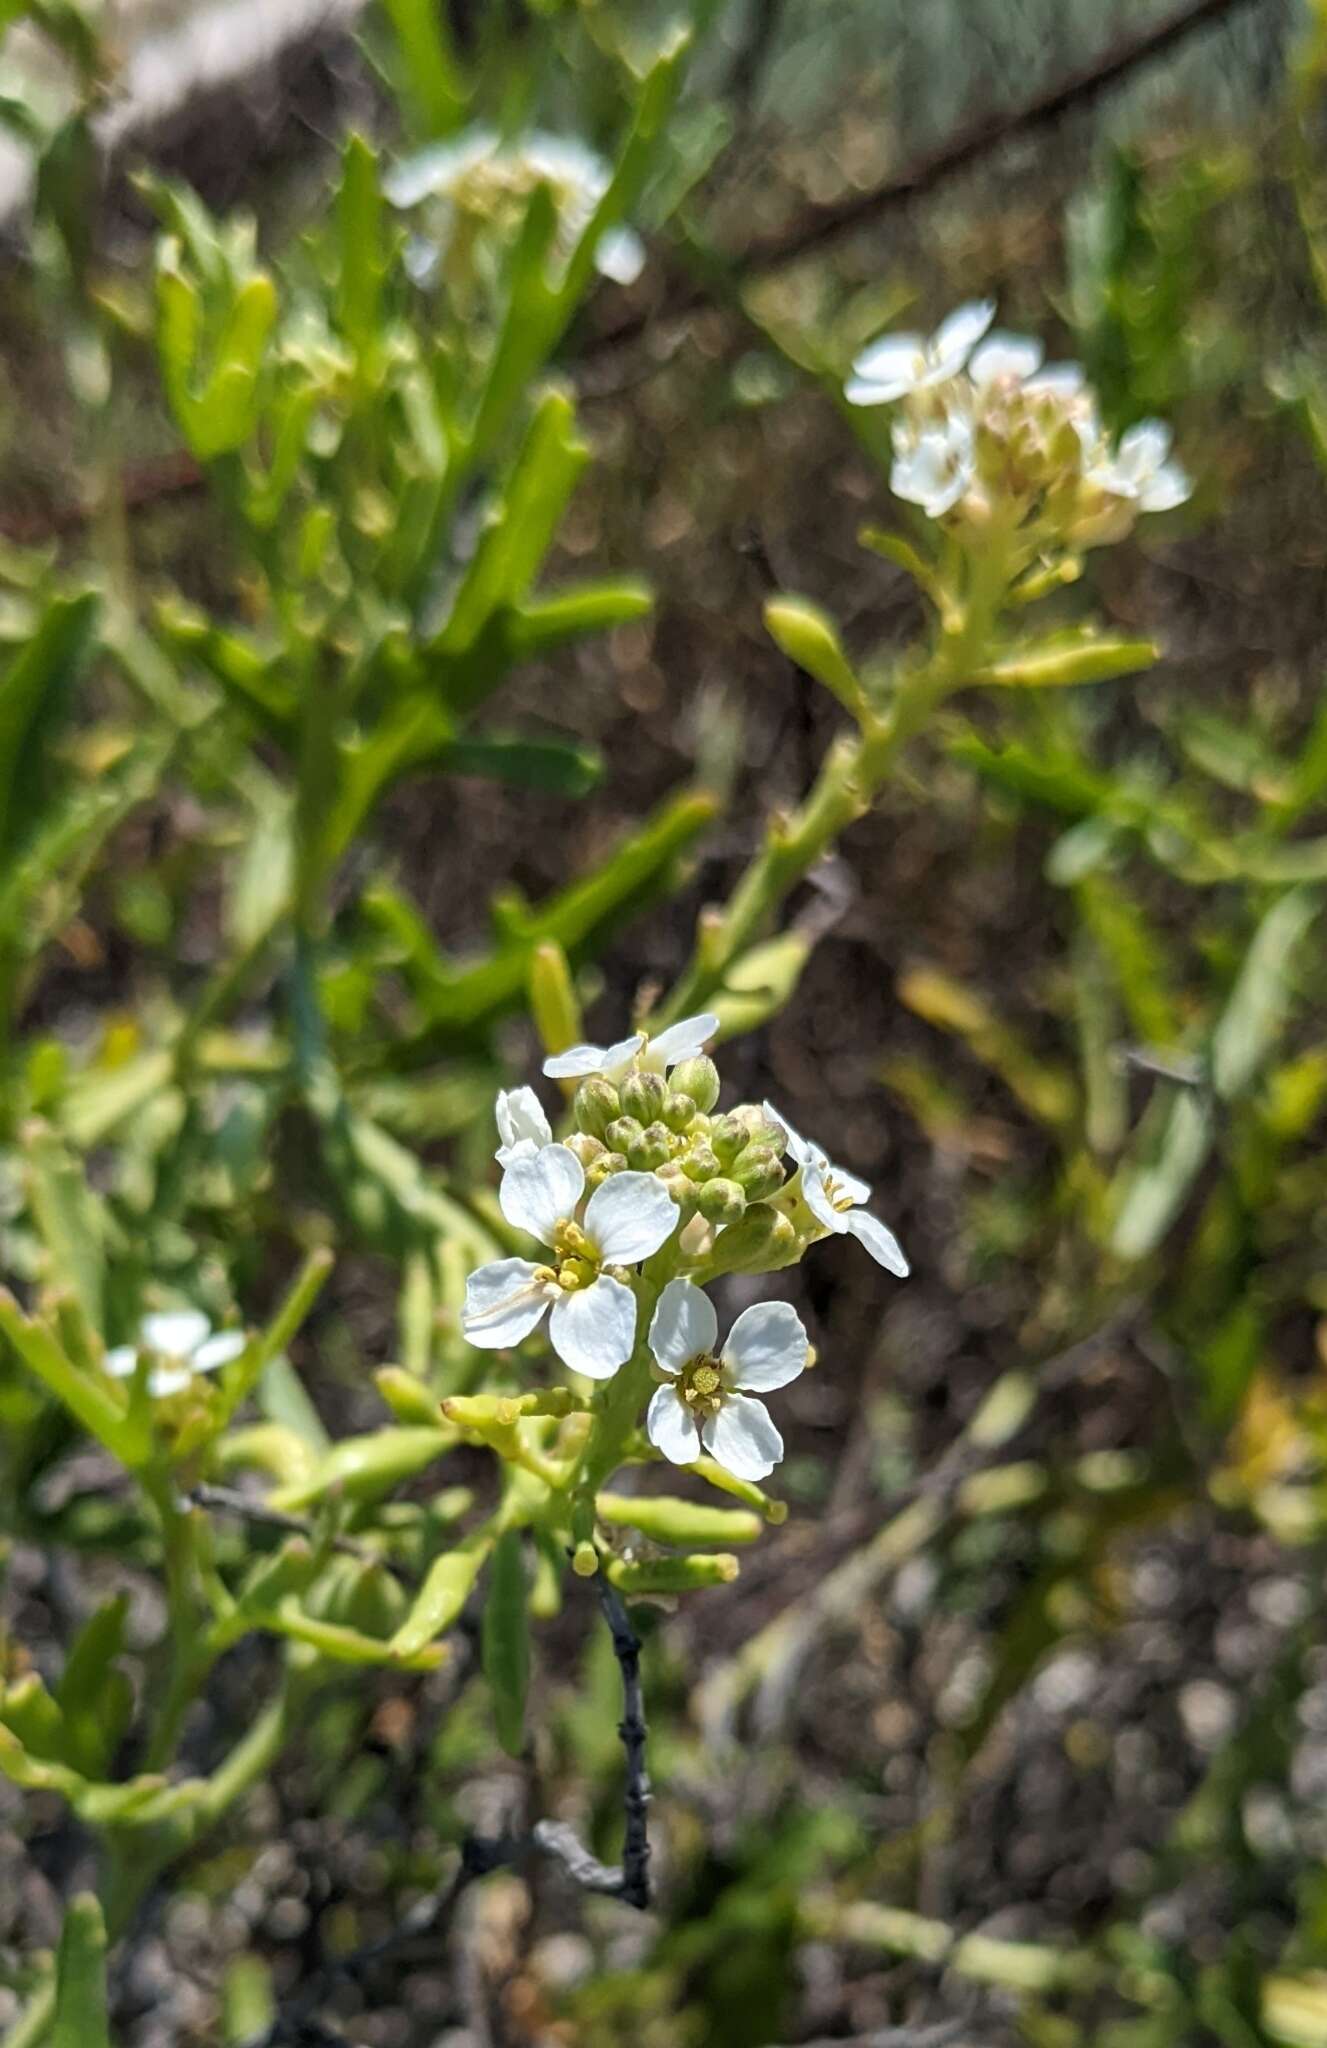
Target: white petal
point(882, 1244)
point(891, 366)
point(796, 1144)
point(934, 470)
point(628, 1216)
point(620, 255)
point(436, 169)
point(503, 1302)
point(684, 1325)
point(766, 1347)
point(218, 1351)
point(120, 1362)
point(1167, 489)
point(742, 1437)
point(541, 1190)
point(1015, 356)
point(168, 1379)
point(671, 1427)
point(955, 338)
point(1064, 380)
point(594, 1329)
point(861, 391)
point(520, 1114)
point(175, 1334)
point(580, 1060)
point(1143, 449)
point(817, 1198)
point(680, 1042)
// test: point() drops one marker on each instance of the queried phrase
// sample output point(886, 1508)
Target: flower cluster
point(986, 430)
point(479, 179)
point(654, 1193)
point(177, 1344)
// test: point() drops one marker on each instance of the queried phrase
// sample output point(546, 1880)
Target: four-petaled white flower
point(835, 1196)
point(478, 169)
point(656, 1055)
point(708, 1402)
point(1142, 471)
point(933, 465)
point(593, 1321)
point(522, 1125)
point(903, 363)
point(181, 1343)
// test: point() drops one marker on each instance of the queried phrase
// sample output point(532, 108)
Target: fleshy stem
point(851, 775)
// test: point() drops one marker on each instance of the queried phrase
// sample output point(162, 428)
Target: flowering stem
point(850, 777)
point(617, 1411)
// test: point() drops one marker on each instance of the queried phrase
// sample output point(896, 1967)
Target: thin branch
point(228, 1500)
point(635, 1874)
point(822, 225)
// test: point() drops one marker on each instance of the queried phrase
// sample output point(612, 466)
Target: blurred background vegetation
point(1019, 1722)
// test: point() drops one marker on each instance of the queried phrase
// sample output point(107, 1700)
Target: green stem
point(850, 778)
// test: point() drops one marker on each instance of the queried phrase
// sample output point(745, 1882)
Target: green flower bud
point(729, 1136)
point(678, 1112)
point(681, 1189)
point(599, 1170)
point(654, 1147)
point(643, 1096)
point(622, 1134)
point(596, 1105)
point(586, 1148)
point(760, 1131)
point(758, 1172)
point(721, 1201)
point(700, 1163)
point(698, 1078)
point(761, 1242)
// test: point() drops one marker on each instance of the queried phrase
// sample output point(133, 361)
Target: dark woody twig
point(299, 2026)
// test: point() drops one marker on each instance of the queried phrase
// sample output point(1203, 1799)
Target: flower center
point(838, 1200)
point(575, 1259)
point(700, 1386)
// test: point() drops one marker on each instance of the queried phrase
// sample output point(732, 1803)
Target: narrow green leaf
point(1251, 1022)
point(506, 1640)
point(558, 767)
point(67, 1218)
point(34, 695)
point(1173, 1142)
point(80, 1978)
point(809, 637)
point(1064, 659)
point(430, 70)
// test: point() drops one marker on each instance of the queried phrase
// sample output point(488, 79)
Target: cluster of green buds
point(713, 1166)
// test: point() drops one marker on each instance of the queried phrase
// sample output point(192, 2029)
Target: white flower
point(834, 1198)
point(593, 1324)
point(680, 1041)
point(1141, 469)
point(522, 1125)
point(1060, 380)
point(902, 363)
point(1005, 359)
point(183, 1344)
point(933, 465)
point(708, 1402)
point(478, 173)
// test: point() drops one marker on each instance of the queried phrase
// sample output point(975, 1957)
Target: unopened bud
point(622, 1134)
point(678, 1112)
point(700, 1163)
point(758, 1172)
point(760, 1242)
point(643, 1096)
point(698, 1078)
point(653, 1148)
point(607, 1163)
point(729, 1136)
point(586, 1148)
point(761, 1131)
point(721, 1201)
point(596, 1105)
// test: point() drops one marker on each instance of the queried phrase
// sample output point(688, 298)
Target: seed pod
point(596, 1105)
point(622, 1134)
point(678, 1112)
point(700, 1163)
point(653, 1147)
point(586, 1148)
point(758, 1173)
point(698, 1078)
point(643, 1096)
point(606, 1164)
point(506, 1641)
point(721, 1201)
